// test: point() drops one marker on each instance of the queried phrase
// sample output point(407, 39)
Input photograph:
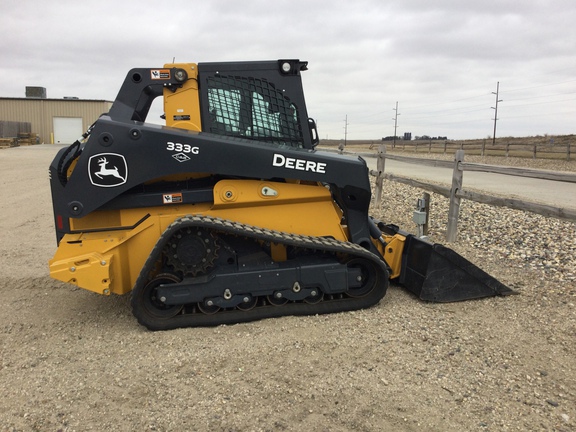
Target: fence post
point(380, 162)
point(534, 153)
point(445, 143)
point(483, 146)
point(426, 198)
point(568, 152)
point(507, 149)
point(429, 146)
point(454, 210)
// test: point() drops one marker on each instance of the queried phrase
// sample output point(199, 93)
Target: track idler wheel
point(150, 307)
point(368, 279)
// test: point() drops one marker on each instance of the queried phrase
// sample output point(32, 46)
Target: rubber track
point(225, 316)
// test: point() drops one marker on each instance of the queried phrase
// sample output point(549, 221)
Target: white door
point(67, 129)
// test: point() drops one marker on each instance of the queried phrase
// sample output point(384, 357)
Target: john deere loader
point(228, 213)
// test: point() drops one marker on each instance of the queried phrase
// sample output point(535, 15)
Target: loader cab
point(261, 101)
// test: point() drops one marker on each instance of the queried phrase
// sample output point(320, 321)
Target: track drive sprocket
point(192, 251)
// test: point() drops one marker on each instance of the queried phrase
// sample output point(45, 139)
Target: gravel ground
point(73, 360)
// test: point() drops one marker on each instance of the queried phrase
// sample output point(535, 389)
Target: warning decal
point(174, 198)
point(160, 74)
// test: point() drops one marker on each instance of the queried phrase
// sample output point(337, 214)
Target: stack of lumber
point(27, 138)
point(8, 142)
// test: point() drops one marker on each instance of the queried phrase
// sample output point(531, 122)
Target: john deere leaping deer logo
point(107, 170)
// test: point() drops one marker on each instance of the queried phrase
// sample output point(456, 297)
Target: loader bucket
point(436, 273)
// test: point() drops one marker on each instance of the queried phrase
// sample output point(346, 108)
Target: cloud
point(440, 60)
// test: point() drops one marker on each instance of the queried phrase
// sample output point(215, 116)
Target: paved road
point(554, 193)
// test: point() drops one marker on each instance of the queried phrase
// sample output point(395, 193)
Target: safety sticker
point(160, 74)
point(174, 198)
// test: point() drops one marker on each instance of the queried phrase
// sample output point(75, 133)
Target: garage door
point(67, 129)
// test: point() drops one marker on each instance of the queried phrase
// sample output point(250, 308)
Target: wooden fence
point(455, 193)
point(484, 148)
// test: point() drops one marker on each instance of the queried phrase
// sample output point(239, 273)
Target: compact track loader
point(228, 213)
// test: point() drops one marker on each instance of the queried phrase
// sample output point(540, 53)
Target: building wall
point(41, 112)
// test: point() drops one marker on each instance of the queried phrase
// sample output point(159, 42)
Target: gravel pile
point(75, 361)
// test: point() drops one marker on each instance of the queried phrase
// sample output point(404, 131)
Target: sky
point(440, 60)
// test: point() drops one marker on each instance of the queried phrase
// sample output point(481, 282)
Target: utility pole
point(395, 123)
point(495, 108)
point(345, 129)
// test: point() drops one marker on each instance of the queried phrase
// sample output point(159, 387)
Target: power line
point(422, 107)
point(540, 86)
point(461, 110)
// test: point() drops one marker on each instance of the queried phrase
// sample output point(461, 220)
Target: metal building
point(54, 120)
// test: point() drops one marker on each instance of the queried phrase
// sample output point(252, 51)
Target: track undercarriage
point(208, 271)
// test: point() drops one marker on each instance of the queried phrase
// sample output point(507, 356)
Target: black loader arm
point(139, 153)
point(252, 124)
